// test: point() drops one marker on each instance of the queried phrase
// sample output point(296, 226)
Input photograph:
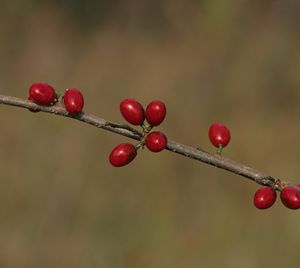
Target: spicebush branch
point(173, 146)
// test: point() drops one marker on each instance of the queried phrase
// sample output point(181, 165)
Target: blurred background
point(63, 205)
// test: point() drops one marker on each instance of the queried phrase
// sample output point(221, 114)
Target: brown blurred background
point(63, 205)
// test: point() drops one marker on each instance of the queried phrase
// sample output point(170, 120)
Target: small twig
point(125, 130)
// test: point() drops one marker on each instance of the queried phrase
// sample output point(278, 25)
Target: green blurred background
point(63, 205)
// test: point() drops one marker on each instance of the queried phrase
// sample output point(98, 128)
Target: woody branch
point(173, 146)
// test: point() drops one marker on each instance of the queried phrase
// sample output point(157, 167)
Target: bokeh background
point(63, 205)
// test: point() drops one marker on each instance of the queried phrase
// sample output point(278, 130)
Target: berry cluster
point(265, 197)
point(134, 113)
point(44, 94)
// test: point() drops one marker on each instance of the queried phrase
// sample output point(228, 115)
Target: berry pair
point(134, 113)
point(266, 196)
point(44, 94)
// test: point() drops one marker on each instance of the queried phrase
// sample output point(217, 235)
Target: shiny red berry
point(73, 100)
point(290, 197)
point(264, 197)
point(156, 112)
point(156, 141)
point(219, 135)
point(42, 93)
point(122, 154)
point(132, 111)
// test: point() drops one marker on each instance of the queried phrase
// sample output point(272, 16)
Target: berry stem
point(140, 145)
point(59, 96)
point(220, 149)
point(146, 128)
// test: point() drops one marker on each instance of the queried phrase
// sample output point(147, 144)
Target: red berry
point(32, 110)
point(264, 197)
point(155, 112)
point(73, 100)
point(156, 141)
point(42, 93)
point(132, 111)
point(122, 155)
point(290, 197)
point(219, 135)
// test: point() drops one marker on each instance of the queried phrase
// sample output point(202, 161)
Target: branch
point(173, 146)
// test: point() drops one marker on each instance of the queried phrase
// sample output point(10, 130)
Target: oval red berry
point(290, 197)
point(122, 154)
point(73, 101)
point(219, 135)
point(42, 93)
point(264, 197)
point(132, 111)
point(156, 112)
point(156, 141)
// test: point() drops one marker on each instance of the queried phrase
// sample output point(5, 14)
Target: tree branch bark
point(173, 146)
